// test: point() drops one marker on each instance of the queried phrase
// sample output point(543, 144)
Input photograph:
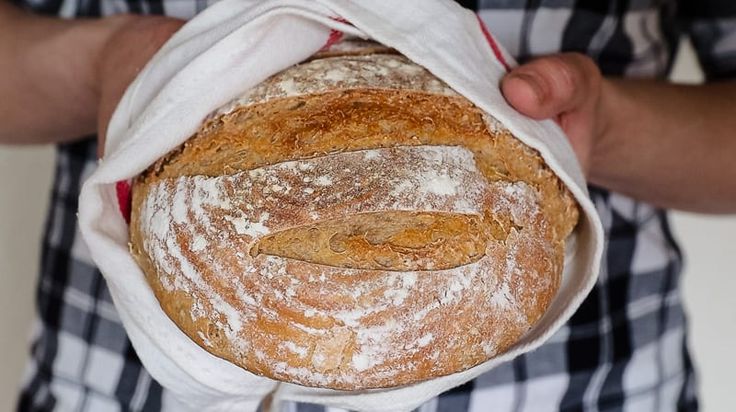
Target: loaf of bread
point(352, 223)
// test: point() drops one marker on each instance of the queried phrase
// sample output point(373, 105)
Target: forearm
point(48, 83)
point(670, 145)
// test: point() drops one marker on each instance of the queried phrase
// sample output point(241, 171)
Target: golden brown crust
point(352, 292)
point(307, 126)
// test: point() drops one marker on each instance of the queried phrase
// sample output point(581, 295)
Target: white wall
point(709, 280)
point(25, 180)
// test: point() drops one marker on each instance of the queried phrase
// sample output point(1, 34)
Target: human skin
point(63, 78)
point(670, 145)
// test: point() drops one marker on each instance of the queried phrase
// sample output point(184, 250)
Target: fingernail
point(533, 82)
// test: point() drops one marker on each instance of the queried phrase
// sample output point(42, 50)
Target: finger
point(549, 86)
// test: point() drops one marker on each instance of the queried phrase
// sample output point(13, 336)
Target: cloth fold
point(229, 48)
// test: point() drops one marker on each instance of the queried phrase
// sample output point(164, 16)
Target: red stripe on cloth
point(335, 36)
point(123, 190)
point(341, 20)
point(493, 44)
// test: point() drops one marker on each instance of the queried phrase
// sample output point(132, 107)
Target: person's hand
point(130, 47)
point(567, 88)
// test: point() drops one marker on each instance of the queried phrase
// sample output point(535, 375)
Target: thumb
point(550, 86)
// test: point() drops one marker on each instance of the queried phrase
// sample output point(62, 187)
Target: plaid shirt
point(625, 348)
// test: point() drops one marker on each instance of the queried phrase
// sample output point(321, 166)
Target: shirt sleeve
point(711, 25)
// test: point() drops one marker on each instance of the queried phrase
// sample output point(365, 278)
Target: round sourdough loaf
point(352, 223)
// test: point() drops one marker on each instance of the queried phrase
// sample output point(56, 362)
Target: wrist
point(603, 142)
point(104, 30)
point(93, 37)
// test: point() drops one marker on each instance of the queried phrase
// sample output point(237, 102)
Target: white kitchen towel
point(226, 50)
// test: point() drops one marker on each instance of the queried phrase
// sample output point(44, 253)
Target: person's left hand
point(129, 48)
point(567, 88)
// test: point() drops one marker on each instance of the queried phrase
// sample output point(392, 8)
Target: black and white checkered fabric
point(625, 349)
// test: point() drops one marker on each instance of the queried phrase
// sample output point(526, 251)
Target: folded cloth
point(228, 49)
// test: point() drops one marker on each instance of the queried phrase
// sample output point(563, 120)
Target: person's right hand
point(129, 48)
point(666, 144)
point(567, 88)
